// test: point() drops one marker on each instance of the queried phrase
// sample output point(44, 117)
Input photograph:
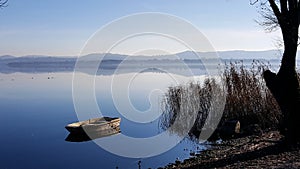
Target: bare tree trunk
point(285, 86)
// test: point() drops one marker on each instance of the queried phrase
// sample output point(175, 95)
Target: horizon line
point(145, 55)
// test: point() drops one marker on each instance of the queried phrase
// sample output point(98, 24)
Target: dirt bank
point(267, 150)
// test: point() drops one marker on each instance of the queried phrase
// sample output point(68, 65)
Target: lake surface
point(35, 107)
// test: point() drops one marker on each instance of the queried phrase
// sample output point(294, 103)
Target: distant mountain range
point(238, 54)
point(110, 62)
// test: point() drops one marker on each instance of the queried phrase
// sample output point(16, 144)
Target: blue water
point(36, 107)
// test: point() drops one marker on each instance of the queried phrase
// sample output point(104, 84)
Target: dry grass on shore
point(247, 99)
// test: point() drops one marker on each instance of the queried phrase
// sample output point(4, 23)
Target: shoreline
point(266, 150)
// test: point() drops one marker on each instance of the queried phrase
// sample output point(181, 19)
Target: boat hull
point(94, 125)
point(83, 137)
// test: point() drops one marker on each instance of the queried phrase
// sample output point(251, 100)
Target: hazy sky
point(61, 27)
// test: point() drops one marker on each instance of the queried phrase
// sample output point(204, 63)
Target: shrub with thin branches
point(247, 99)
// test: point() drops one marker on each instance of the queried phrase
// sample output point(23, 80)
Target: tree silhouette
point(285, 15)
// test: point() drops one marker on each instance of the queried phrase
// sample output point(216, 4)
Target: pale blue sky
point(61, 27)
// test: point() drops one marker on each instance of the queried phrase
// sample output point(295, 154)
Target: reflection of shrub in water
point(248, 100)
point(180, 106)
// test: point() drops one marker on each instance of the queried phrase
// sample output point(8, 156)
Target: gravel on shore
point(266, 150)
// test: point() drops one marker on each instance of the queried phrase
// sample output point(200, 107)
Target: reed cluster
point(247, 99)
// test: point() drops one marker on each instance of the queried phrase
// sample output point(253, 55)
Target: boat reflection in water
point(82, 137)
point(93, 129)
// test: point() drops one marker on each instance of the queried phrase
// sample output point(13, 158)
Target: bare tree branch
point(275, 9)
point(253, 2)
point(279, 14)
point(269, 21)
point(292, 4)
point(3, 3)
point(298, 11)
point(283, 6)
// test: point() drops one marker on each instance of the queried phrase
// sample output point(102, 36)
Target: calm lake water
point(36, 107)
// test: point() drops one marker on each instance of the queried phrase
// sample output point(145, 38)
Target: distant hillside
point(111, 62)
point(238, 54)
point(6, 57)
